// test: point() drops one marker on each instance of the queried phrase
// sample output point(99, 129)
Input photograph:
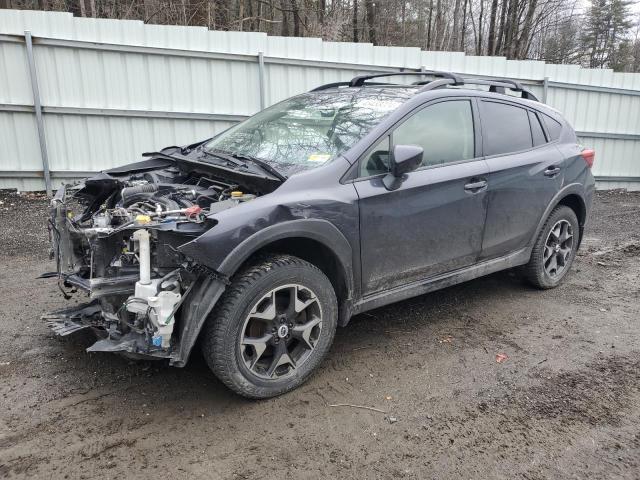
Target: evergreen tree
point(606, 27)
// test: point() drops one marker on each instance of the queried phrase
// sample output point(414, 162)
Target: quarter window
point(553, 126)
point(536, 130)
point(443, 130)
point(506, 128)
point(377, 161)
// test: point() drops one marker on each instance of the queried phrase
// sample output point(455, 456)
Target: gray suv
point(257, 243)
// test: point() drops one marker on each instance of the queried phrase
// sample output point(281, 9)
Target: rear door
point(525, 173)
point(433, 222)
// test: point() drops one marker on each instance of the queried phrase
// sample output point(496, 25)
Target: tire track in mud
point(565, 403)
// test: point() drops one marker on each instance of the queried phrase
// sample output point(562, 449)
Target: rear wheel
point(554, 250)
point(272, 327)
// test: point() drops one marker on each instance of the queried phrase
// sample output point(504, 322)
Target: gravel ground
point(565, 403)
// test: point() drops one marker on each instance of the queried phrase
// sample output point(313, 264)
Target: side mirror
point(404, 159)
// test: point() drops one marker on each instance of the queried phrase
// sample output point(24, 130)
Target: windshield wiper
point(161, 155)
point(260, 163)
point(226, 157)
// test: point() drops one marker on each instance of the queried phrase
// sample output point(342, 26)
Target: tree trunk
point(491, 42)
point(403, 22)
point(148, 10)
point(439, 25)
point(284, 31)
point(295, 13)
point(371, 20)
point(479, 47)
point(322, 7)
point(183, 4)
point(464, 26)
point(428, 45)
point(512, 28)
point(222, 13)
point(251, 26)
point(354, 21)
point(455, 35)
point(522, 44)
point(83, 8)
point(503, 19)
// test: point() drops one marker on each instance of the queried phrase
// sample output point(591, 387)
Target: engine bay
point(115, 237)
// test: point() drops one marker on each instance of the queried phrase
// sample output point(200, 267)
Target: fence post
point(545, 89)
point(261, 79)
point(37, 106)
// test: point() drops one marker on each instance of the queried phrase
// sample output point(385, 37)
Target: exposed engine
point(122, 250)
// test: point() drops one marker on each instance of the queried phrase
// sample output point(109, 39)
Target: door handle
point(551, 171)
point(476, 186)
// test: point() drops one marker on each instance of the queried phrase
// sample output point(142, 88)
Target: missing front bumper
point(90, 316)
point(194, 311)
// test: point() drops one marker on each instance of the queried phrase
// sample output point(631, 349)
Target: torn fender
point(195, 311)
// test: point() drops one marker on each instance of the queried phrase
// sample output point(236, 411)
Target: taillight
point(589, 156)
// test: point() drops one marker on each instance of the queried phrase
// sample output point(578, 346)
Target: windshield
point(311, 129)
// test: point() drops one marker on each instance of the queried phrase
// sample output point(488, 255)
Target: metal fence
point(79, 95)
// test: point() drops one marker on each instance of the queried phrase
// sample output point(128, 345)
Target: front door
point(433, 222)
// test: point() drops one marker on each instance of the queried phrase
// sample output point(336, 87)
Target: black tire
point(224, 333)
point(537, 271)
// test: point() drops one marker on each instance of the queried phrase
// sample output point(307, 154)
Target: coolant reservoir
point(238, 196)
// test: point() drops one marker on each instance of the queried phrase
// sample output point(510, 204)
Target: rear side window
point(536, 130)
point(506, 128)
point(554, 127)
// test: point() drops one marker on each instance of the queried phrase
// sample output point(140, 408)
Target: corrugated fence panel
point(14, 75)
point(112, 89)
point(92, 143)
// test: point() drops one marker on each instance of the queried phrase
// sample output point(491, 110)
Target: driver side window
point(444, 131)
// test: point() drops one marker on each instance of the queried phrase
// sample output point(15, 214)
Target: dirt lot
point(565, 404)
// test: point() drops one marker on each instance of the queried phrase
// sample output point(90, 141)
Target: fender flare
point(571, 189)
point(321, 231)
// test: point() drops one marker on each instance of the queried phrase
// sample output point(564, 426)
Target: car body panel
point(518, 193)
point(428, 226)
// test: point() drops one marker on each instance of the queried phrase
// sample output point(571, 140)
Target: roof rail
point(360, 79)
point(495, 85)
point(516, 86)
point(443, 79)
point(347, 84)
point(330, 85)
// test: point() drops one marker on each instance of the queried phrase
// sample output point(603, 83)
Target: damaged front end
point(116, 238)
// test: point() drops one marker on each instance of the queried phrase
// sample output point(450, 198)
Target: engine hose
point(129, 192)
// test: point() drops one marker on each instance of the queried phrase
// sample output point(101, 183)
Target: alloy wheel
point(281, 331)
point(558, 247)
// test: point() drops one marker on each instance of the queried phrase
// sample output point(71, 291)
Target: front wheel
point(554, 250)
point(272, 327)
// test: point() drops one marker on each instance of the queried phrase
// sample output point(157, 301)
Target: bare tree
point(555, 30)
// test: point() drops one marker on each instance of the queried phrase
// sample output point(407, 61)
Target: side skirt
point(444, 280)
